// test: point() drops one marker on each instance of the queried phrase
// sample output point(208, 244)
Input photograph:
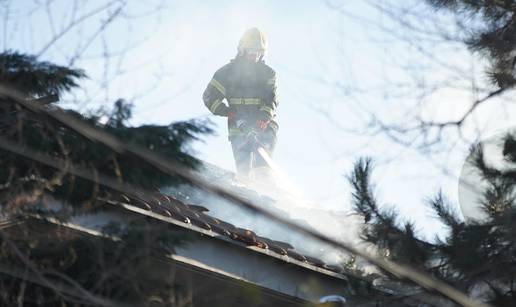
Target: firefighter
point(248, 86)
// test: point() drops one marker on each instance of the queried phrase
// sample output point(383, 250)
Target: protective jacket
point(250, 91)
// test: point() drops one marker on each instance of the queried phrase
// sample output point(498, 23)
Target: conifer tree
point(492, 32)
point(478, 257)
point(41, 267)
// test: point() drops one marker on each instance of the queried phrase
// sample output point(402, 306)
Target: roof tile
point(171, 207)
point(296, 256)
point(315, 261)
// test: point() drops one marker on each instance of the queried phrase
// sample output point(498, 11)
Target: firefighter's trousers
point(247, 160)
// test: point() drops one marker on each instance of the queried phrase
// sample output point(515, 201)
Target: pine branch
point(27, 74)
point(445, 212)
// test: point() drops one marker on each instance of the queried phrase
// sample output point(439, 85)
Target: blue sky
point(325, 61)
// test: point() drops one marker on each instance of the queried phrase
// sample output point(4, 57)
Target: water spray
point(280, 176)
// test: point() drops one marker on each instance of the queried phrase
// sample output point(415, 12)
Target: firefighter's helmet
point(253, 40)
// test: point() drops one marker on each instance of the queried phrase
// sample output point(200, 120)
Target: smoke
point(335, 224)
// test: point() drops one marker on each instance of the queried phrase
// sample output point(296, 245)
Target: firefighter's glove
point(262, 124)
point(232, 116)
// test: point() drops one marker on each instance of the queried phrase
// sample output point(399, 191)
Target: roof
point(200, 283)
point(234, 252)
point(196, 218)
point(221, 248)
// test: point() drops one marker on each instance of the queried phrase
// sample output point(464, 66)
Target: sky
point(332, 69)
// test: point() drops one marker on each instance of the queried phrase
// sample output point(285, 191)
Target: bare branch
point(76, 22)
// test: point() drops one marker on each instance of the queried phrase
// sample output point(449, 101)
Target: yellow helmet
point(253, 40)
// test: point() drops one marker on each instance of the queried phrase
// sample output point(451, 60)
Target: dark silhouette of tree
point(492, 34)
point(477, 257)
point(42, 266)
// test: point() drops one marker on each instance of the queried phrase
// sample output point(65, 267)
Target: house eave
point(222, 256)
